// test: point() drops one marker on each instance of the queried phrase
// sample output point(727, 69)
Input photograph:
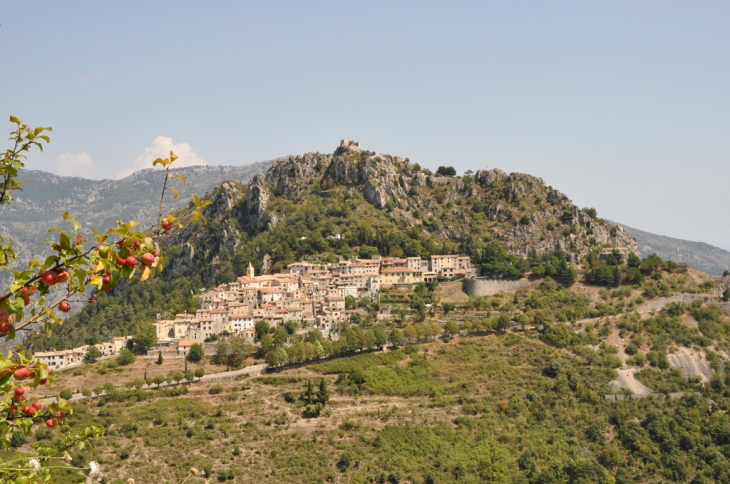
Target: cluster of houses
point(64, 358)
point(309, 294)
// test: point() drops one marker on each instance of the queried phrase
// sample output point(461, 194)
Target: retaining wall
point(482, 286)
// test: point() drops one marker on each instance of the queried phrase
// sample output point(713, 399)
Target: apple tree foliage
point(78, 267)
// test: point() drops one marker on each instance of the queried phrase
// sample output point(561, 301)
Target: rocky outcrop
point(255, 216)
point(185, 262)
point(530, 214)
point(288, 174)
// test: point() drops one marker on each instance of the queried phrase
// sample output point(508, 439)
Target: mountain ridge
point(698, 255)
point(99, 203)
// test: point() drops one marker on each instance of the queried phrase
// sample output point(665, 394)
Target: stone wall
point(481, 286)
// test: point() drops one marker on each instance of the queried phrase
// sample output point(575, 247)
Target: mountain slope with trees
point(358, 203)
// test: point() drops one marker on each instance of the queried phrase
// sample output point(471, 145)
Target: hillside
point(303, 203)
point(352, 202)
point(522, 407)
point(100, 203)
point(698, 255)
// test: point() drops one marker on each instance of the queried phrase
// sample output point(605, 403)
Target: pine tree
point(159, 357)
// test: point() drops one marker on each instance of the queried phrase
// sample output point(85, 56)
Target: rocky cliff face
point(521, 211)
point(327, 205)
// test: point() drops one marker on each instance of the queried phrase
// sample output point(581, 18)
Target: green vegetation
point(480, 409)
point(196, 353)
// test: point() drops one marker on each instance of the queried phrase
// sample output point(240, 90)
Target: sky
point(623, 106)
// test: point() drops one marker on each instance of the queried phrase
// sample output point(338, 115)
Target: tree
point(397, 338)
point(260, 329)
point(591, 212)
point(177, 376)
point(158, 380)
point(446, 171)
point(222, 353)
point(726, 295)
point(310, 392)
point(452, 328)
point(159, 358)
point(92, 354)
point(35, 296)
point(291, 327)
point(189, 376)
point(281, 336)
point(277, 357)
point(196, 353)
point(145, 337)
point(318, 350)
point(350, 302)
point(86, 392)
point(323, 394)
point(66, 394)
point(381, 335)
point(367, 252)
point(503, 322)
point(199, 373)
point(125, 357)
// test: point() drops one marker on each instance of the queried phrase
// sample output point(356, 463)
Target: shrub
point(66, 394)
point(196, 353)
point(345, 460)
point(126, 357)
point(216, 390)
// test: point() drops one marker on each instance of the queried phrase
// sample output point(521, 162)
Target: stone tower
point(250, 272)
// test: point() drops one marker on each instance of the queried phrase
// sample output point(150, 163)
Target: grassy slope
point(471, 410)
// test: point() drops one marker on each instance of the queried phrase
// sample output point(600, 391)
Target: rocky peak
point(347, 147)
point(522, 211)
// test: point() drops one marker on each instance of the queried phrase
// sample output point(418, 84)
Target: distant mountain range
point(100, 203)
point(699, 255)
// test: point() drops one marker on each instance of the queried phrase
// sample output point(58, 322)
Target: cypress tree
point(324, 394)
point(309, 392)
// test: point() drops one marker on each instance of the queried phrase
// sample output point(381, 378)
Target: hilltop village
point(313, 295)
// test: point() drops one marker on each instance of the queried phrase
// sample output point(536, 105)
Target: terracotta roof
point(400, 269)
point(186, 342)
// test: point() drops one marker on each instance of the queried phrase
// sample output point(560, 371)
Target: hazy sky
point(624, 106)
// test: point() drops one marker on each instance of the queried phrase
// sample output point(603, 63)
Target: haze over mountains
point(99, 203)
point(699, 255)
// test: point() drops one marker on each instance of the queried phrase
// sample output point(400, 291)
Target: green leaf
point(15, 120)
point(5, 379)
point(64, 241)
point(75, 226)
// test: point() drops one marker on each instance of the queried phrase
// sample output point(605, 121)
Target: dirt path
point(658, 303)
